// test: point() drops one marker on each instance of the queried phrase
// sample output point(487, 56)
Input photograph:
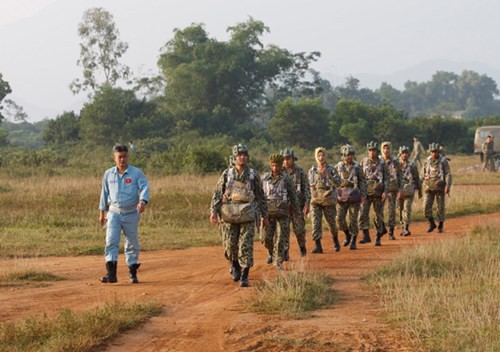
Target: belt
point(124, 211)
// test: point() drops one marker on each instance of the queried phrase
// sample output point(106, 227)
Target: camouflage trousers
point(237, 240)
point(404, 206)
point(353, 211)
point(429, 202)
point(277, 238)
point(378, 208)
point(489, 163)
point(330, 213)
point(299, 229)
point(391, 208)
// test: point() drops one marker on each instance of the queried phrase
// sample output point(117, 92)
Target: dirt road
point(203, 308)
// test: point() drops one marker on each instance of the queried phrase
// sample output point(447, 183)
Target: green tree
point(65, 128)
point(4, 91)
point(100, 52)
point(305, 122)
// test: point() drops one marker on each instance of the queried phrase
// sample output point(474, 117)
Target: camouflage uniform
point(375, 172)
point(299, 178)
point(409, 176)
point(328, 180)
point(417, 152)
point(351, 176)
point(433, 170)
point(279, 187)
point(237, 239)
point(488, 151)
point(395, 184)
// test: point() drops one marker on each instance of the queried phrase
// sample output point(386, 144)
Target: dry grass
point(446, 295)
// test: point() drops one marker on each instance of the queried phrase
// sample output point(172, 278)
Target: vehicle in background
point(480, 137)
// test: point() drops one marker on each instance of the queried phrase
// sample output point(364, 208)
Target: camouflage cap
point(240, 148)
point(434, 147)
point(288, 153)
point(347, 149)
point(372, 145)
point(276, 158)
point(403, 149)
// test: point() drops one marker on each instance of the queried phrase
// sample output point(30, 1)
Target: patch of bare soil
point(204, 309)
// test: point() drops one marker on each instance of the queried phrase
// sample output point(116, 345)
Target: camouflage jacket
point(330, 179)
point(376, 171)
point(437, 169)
point(409, 173)
point(249, 176)
point(395, 173)
point(351, 175)
point(299, 177)
point(280, 187)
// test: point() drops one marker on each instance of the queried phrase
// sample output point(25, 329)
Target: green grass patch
point(292, 293)
point(75, 332)
point(446, 295)
point(29, 275)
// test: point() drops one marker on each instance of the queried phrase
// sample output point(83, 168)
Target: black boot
point(336, 244)
point(235, 270)
point(347, 239)
point(110, 277)
point(432, 224)
point(366, 237)
point(318, 248)
point(133, 273)
point(377, 239)
point(440, 226)
point(286, 256)
point(244, 277)
point(406, 230)
point(353, 243)
point(391, 233)
point(303, 251)
point(384, 229)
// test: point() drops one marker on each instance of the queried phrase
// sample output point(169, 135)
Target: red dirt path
point(203, 308)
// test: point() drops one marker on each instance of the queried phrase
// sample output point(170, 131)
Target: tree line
point(240, 90)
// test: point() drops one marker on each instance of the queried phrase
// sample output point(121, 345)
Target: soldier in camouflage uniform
point(352, 178)
point(395, 184)
point(377, 188)
point(323, 179)
point(489, 153)
point(282, 204)
point(238, 238)
point(437, 183)
point(418, 150)
point(299, 178)
point(411, 183)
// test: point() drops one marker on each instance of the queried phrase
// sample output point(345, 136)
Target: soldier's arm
point(416, 177)
point(220, 188)
point(304, 187)
point(447, 173)
point(399, 176)
point(385, 173)
point(334, 177)
point(292, 195)
point(362, 182)
point(259, 196)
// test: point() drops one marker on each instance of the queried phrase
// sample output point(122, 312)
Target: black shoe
point(110, 277)
point(432, 225)
point(391, 234)
point(235, 270)
point(269, 259)
point(303, 251)
point(286, 256)
point(384, 230)
point(377, 239)
point(353, 243)
point(318, 249)
point(406, 231)
point(244, 277)
point(440, 227)
point(336, 244)
point(133, 273)
point(366, 237)
point(347, 239)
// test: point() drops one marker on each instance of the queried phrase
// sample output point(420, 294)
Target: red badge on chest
point(128, 180)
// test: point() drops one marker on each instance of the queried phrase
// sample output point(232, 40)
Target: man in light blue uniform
point(124, 195)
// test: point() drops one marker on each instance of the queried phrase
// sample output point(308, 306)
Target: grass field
point(58, 215)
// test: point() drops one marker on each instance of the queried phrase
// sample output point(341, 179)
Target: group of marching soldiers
point(342, 193)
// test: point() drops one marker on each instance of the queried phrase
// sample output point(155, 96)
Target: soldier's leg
point(113, 232)
point(331, 220)
point(428, 203)
point(269, 235)
point(353, 224)
point(299, 228)
point(280, 243)
point(316, 219)
point(245, 244)
point(378, 207)
point(391, 209)
point(364, 220)
point(440, 200)
point(342, 222)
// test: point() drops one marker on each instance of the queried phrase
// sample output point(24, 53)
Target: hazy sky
point(39, 41)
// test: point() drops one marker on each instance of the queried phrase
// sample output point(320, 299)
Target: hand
point(419, 194)
point(363, 200)
point(102, 217)
point(447, 190)
point(214, 218)
point(141, 207)
point(384, 196)
point(400, 195)
point(306, 210)
point(265, 222)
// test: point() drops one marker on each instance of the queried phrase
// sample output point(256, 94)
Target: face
point(435, 154)
point(276, 168)
point(372, 153)
point(121, 159)
point(288, 162)
point(386, 150)
point(242, 159)
point(404, 156)
point(321, 157)
point(348, 158)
